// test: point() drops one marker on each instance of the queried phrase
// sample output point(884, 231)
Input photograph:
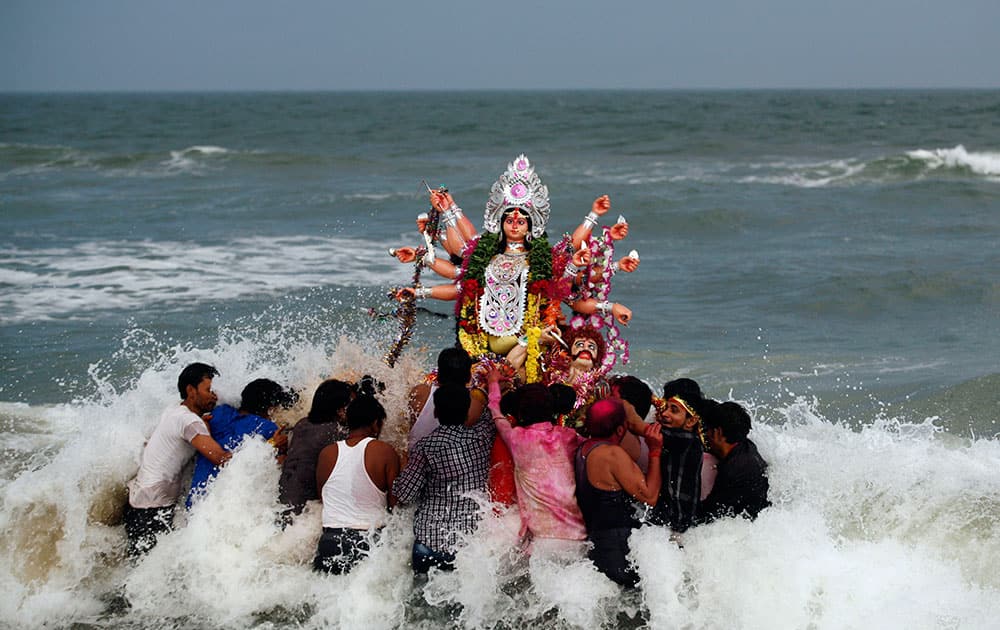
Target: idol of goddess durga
point(509, 282)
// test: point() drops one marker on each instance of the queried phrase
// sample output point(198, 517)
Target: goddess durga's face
point(515, 226)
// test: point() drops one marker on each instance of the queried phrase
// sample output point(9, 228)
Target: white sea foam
point(807, 175)
point(76, 281)
point(188, 161)
point(981, 162)
point(893, 525)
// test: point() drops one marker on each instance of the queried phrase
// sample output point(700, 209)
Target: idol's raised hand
point(628, 263)
point(619, 230)
point(601, 205)
point(581, 257)
point(441, 199)
point(621, 313)
point(405, 254)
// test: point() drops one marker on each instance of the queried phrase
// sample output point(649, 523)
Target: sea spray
point(879, 522)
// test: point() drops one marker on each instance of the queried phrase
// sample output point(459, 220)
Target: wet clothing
point(143, 525)
point(298, 474)
point(544, 478)
point(423, 558)
point(608, 515)
point(425, 423)
point(740, 485)
point(680, 494)
point(229, 428)
point(341, 548)
point(158, 482)
point(443, 469)
point(350, 497)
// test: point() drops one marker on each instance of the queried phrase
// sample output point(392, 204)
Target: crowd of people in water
point(578, 475)
point(524, 408)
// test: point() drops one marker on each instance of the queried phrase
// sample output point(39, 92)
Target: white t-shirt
point(158, 482)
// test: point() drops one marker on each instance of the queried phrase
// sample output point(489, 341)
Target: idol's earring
point(527, 238)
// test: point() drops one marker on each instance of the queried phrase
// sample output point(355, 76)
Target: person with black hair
point(325, 424)
point(230, 426)
point(355, 475)
point(443, 469)
point(453, 366)
point(543, 463)
point(181, 432)
point(637, 399)
point(741, 484)
point(680, 421)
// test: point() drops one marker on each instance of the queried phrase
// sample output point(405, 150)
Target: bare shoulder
point(382, 449)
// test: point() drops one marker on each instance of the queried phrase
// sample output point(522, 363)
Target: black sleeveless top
point(602, 509)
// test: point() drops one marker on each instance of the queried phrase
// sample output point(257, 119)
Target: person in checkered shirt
point(444, 469)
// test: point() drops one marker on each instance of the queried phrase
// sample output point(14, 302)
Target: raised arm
point(600, 207)
point(458, 228)
point(645, 488)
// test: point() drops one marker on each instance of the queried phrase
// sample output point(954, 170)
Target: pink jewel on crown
point(522, 164)
point(519, 191)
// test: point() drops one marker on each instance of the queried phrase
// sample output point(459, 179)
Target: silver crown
point(518, 187)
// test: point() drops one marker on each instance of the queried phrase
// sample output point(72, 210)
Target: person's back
point(310, 435)
point(442, 470)
point(354, 475)
point(606, 476)
point(454, 366)
point(543, 466)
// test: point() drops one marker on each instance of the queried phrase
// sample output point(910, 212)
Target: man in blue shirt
point(230, 426)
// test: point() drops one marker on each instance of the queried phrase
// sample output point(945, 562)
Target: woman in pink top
point(543, 464)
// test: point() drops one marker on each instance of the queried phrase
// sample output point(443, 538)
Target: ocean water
point(830, 259)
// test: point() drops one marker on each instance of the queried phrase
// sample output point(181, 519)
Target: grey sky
point(450, 44)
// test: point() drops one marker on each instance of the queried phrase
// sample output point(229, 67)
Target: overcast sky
point(453, 44)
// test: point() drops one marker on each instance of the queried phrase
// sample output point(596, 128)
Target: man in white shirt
point(182, 431)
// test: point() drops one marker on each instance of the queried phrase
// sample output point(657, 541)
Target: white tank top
point(351, 500)
point(425, 423)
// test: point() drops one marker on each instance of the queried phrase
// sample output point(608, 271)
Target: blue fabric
point(229, 429)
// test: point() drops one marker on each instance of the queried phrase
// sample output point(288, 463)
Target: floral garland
point(534, 352)
point(602, 252)
point(476, 257)
point(406, 313)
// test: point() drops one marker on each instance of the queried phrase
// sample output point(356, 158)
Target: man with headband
point(680, 420)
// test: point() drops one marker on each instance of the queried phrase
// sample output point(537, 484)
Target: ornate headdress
point(518, 187)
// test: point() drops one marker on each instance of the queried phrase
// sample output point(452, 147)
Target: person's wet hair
point(263, 394)
point(364, 411)
point(685, 388)
point(604, 417)
point(331, 396)
point(732, 418)
point(635, 391)
point(510, 401)
point(368, 386)
point(535, 405)
point(451, 404)
point(193, 375)
point(563, 397)
point(454, 366)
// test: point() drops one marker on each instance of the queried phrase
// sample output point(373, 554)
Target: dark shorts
point(143, 525)
point(340, 549)
point(424, 558)
point(610, 555)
